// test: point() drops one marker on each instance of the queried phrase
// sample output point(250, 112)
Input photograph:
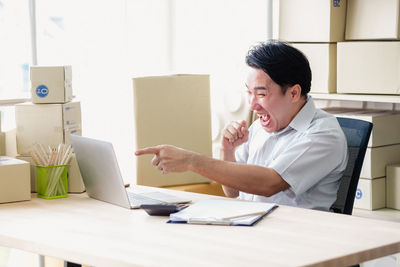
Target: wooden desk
point(83, 230)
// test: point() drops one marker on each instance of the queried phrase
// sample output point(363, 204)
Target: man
point(294, 154)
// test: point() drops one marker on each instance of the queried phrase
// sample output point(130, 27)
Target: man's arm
point(248, 178)
point(240, 177)
point(233, 135)
point(229, 155)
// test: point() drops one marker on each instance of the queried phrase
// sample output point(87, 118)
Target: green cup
point(52, 181)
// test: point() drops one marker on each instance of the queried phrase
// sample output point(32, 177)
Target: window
point(15, 52)
point(107, 42)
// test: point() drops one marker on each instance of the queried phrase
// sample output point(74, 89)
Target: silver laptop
point(102, 177)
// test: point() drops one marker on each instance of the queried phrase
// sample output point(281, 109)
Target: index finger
point(147, 150)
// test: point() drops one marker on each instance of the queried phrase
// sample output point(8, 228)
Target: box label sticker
point(42, 91)
point(336, 3)
point(358, 193)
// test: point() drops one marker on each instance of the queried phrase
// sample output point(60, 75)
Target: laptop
point(102, 177)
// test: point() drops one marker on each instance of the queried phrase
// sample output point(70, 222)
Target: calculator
point(162, 209)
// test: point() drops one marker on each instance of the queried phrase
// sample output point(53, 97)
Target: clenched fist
point(234, 134)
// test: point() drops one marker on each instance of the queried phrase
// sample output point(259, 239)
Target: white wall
point(109, 42)
point(214, 37)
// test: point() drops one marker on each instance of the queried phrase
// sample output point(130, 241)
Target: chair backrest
point(357, 133)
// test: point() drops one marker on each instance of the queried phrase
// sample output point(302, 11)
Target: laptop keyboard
point(163, 197)
point(138, 199)
point(153, 198)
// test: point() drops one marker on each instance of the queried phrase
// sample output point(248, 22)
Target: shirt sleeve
point(242, 152)
point(309, 159)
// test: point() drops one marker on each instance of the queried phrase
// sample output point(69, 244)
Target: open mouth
point(264, 119)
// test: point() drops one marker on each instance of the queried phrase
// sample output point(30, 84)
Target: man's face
point(267, 100)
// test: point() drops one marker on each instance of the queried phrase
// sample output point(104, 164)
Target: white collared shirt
point(310, 154)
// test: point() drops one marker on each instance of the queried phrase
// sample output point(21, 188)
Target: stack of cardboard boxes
point(49, 119)
point(315, 27)
point(369, 63)
point(353, 47)
point(369, 60)
point(383, 150)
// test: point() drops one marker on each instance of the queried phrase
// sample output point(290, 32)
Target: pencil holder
point(52, 181)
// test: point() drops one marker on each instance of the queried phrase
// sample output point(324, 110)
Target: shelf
point(381, 214)
point(352, 97)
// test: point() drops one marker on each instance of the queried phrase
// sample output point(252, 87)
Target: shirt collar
point(304, 117)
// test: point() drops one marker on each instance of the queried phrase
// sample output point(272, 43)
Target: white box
point(386, 124)
point(372, 20)
point(312, 20)
point(368, 67)
point(32, 171)
point(51, 84)
point(14, 180)
point(393, 186)
point(376, 159)
point(75, 181)
point(179, 115)
point(370, 194)
point(322, 58)
point(47, 124)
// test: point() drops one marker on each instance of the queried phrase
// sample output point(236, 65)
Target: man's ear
point(295, 92)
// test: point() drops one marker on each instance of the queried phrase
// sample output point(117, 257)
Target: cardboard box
point(49, 124)
point(2, 141)
point(179, 114)
point(2, 144)
point(212, 188)
point(370, 194)
point(52, 84)
point(11, 143)
point(14, 180)
point(393, 186)
point(386, 129)
point(376, 159)
point(368, 67)
point(32, 171)
point(312, 20)
point(322, 58)
point(372, 20)
point(75, 182)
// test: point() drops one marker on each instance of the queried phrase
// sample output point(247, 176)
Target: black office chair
point(357, 133)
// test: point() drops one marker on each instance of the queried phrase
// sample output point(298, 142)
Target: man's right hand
point(234, 134)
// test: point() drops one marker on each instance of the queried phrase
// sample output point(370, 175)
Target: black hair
point(285, 64)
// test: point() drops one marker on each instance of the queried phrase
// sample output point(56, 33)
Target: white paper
point(226, 212)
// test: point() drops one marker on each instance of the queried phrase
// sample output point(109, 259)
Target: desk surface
point(83, 230)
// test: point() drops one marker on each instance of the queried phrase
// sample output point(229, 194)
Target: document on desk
point(223, 212)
